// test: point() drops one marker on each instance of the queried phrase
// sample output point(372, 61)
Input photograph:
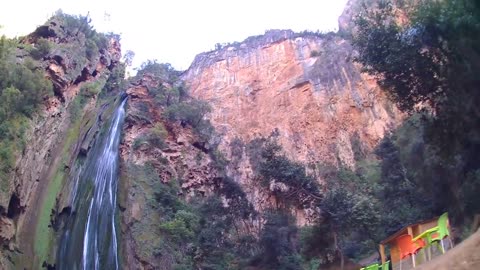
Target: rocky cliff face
point(46, 138)
point(156, 151)
point(304, 87)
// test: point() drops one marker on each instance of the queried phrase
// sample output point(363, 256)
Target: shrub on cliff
point(116, 81)
point(276, 168)
point(41, 49)
point(157, 135)
point(23, 88)
point(160, 71)
point(190, 113)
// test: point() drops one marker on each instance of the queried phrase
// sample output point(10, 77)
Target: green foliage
point(199, 232)
point(88, 91)
point(92, 89)
point(73, 26)
point(431, 64)
point(160, 71)
point(277, 242)
point(182, 227)
point(384, 51)
point(76, 106)
point(316, 243)
point(22, 90)
point(408, 199)
point(277, 168)
point(157, 135)
point(352, 210)
point(469, 193)
point(190, 113)
point(169, 202)
point(171, 94)
point(76, 45)
point(12, 140)
point(116, 81)
point(41, 49)
point(91, 49)
point(236, 198)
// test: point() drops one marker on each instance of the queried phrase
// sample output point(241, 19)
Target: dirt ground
point(465, 255)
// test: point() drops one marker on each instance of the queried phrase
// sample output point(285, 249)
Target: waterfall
point(90, 237)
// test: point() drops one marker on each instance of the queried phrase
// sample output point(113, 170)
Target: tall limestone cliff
point(303, 87)
point(78, 62)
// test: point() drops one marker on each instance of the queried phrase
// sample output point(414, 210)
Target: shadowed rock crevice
point(14, 207)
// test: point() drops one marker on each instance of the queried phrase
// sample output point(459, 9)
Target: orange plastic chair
point(408, 247)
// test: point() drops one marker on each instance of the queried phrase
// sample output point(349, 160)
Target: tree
point(277, 242)
point(431, 65)
point(395, 56)
point(116, 80)
point(350, 206)
point(10, 100)
point(274, 167)
point(161, 71)
point(190, 113)
point(409, 201)
point(128, 58)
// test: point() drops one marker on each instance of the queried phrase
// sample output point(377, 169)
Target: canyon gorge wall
point(304, 87)
point(53, 140)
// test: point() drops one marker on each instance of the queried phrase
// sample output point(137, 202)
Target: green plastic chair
point(442, 231)
point(374, 266)
point(386, 265)
point(439, 232)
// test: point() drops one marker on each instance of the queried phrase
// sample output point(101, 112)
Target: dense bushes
point(190, 113)
point(200, 232)
point(22, 90)
point(41, 49)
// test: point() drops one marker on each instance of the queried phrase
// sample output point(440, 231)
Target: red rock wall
point(306, 87)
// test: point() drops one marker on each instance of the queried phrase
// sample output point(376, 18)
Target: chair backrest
point(372, 267)
point(386, 265)
point(407, 246)
point(443, 226)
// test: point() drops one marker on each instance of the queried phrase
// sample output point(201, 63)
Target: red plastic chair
point(408, 247)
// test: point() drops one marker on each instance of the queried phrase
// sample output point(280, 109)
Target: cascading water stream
point(90, 237)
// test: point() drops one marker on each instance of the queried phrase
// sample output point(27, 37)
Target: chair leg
point(413, 260)
point(401, 263)
point(424, 252)
point(443, 248)
point(451, 242)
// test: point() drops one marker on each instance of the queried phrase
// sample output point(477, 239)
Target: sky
point(175, 31)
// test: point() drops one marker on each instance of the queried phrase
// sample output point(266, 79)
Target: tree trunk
point(339, 250)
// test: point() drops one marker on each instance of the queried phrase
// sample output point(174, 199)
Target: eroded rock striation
point(303, 87)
